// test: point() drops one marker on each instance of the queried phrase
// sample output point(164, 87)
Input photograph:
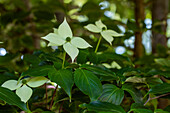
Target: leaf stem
point(20, 79)
point(64, 56)
point(61, 107)
point(51, 104)
point(46, 94)
point(98, 43)
point(156, 97)
point(28, 108)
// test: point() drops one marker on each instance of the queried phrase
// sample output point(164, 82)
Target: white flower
point(102, 29)
point(22, 90)
point(63, 36)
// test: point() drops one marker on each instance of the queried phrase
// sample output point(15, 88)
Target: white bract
point(22, 90)
point(63, 36)
point(99, 27)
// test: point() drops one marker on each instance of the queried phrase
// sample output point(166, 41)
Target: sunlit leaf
point(55, 39)
point(114, 33)
point(37, 81)
point(163, 62)
point(71, 50)
point(93, 28)
point(64, 30)
point(107, 37)
point(80, 43)
point(100, 25)
point(11, 84)
point(24, 93)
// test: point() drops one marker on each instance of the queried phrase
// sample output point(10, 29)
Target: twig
point(160, 96)
point(155, 97)
point(61, 107)
point(46, 94)
point(51, 104)
point(147, 100)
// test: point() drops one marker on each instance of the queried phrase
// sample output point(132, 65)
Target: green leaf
point(110, 56)
point(160, 111)
point(93, 58)
point(159, 72)
point(7, 58)
point(39, 71)
point(99, 71)
point(48, 112)
point(11, 98)
point(142, 111)
point(82, 56)
point(139, 108)
point(160, 89)
point(103, 107)
point(167, 108)
point(7, 76)
point(63, 78)
point(88, 83)
point(33, 59)
point(163, 62)
point(135, 79)
point(112, 94)
point(153, 81)
point(136, 94)
point(43, 15)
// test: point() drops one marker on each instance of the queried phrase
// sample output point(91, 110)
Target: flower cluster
point(99, 27)
point(63, 36)
point(21, 87)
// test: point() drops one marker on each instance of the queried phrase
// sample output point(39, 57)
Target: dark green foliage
point(92, 84)
point(11, 98)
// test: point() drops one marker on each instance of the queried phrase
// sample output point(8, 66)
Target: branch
point(51, 104)
point(155, 97)
point(46, 94)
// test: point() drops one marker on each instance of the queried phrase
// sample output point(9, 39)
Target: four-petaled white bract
point(102, 29)
point(63, 36)
point(22, 90)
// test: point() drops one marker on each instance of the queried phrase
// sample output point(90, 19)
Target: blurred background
point(144, 23)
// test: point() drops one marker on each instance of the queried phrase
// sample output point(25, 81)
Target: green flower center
point(24, 81)
point(104, 28)
point(68, 39)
